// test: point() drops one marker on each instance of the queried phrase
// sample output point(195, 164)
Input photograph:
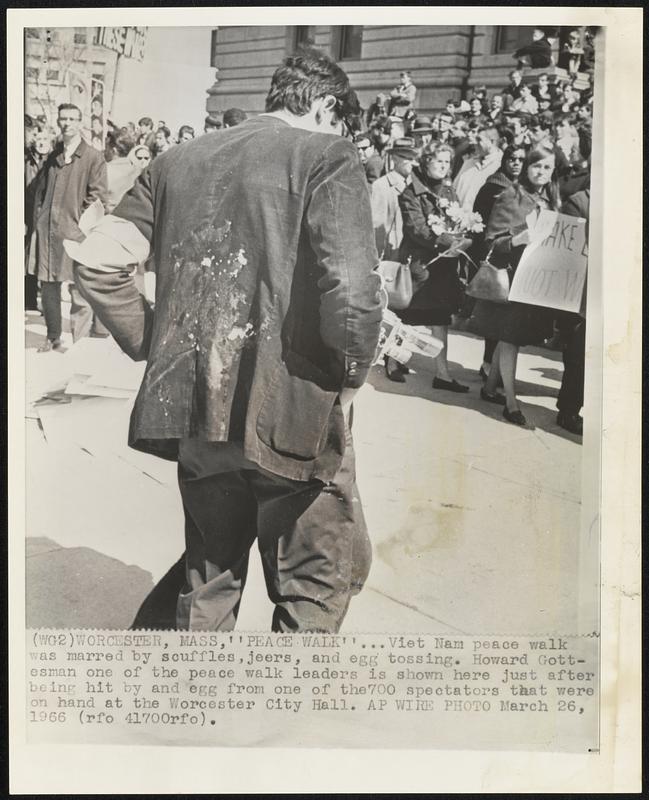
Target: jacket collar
point(500, 179)
point(78, 152)
point(419, 187)
point(395, 180)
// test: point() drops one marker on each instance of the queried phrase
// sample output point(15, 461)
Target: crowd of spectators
point(481, 152)
point(524, 146)
point(51, 216)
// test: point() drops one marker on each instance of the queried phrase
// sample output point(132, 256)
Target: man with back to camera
point(266, 322)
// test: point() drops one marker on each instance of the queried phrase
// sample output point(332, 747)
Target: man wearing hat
point(422, 131)
point(385, 191)
point(370, 159)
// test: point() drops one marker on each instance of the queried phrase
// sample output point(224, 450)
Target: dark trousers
point(31, 293)
point(312, 538)
point(571, 394)
point(82, 319)
point(51, 304)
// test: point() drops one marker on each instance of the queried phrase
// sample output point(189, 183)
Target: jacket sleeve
point(415, 225)
point(339, 223)
point(97, 187)
point(113, 294)
point(380, 215)
point(507, 218)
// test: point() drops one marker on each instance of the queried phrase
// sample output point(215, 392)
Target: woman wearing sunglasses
point(503, 178)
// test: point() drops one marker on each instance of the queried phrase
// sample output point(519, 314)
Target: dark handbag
point(489, 283)
point(397, 279)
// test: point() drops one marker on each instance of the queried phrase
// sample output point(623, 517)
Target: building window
point(31, 73)
point(52, 75)
point(510, 37)
point(80, 38)
point(346, 41)
point(32, 33)
point(303, 36)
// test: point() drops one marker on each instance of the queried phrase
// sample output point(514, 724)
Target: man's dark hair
point(164, 129)
point(233, 116)
point(146, 121)
point(69, 107)
point(185, 129)
point(307, 76)
point(506, 135)
point(123, 142)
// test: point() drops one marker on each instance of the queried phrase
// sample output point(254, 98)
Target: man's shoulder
point(90, 153)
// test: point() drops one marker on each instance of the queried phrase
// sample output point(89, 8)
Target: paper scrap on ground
point(83, 385)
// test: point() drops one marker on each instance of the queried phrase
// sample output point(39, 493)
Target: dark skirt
point(516, 323)
point(438, 298)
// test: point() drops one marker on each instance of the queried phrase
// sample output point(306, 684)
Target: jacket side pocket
point(294, 416)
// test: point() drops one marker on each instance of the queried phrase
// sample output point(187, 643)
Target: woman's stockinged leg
point(507, 363)
point(494, 371)
point(441, 362)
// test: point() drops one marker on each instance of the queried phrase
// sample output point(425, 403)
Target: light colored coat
point(386, 214)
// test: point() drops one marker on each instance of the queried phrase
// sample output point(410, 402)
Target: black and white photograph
point(314, 346)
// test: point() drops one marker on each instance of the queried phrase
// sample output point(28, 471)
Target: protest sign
point(551, 273)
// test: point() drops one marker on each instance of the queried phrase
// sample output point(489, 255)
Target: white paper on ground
point(82, 385)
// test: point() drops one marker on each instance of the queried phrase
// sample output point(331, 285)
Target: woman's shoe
point(396, 374)
point(516, 417)
point(450, 386)
point(498, 399)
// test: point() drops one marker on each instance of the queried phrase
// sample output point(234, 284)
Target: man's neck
point(305, 122)
point(71, 143)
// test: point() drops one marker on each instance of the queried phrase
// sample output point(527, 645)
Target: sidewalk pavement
point(475, 523)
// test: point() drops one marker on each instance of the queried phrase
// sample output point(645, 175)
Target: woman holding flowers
point(515, 324)
point(434, 236)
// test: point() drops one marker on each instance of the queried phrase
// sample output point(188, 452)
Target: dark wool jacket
point(267, 305)
point(483, 204)
point(417, 201)
point(55, 201)
point(508, 217)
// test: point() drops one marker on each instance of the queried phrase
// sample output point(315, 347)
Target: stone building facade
point(445, 61)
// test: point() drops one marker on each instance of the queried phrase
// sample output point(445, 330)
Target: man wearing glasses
point(266, 322)
point(370, 159)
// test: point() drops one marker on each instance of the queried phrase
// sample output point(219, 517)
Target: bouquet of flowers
point(454, 219)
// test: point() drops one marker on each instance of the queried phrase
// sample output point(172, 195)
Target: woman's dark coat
point(438, 289)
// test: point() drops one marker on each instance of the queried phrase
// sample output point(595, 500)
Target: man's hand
point(346, 398)
point(522, 238)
